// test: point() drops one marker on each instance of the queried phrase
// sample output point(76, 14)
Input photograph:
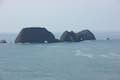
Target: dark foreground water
point(88, 60)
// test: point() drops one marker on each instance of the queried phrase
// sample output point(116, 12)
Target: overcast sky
point(60, 15)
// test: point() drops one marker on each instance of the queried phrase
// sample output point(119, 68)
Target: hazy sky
point(60, 15)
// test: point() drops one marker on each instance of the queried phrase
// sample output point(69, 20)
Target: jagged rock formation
point(42, 35)
point(76, 37)
point(68, 36)
point(85, 35)
point(35, 35)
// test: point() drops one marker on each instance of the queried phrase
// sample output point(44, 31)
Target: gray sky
point(60, 15)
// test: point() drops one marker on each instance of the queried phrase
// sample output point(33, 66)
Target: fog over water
point(60, 15)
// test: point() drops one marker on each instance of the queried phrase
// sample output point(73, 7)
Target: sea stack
point(77, 37)
point(68, 37)
point(3, 41)
point(85, 35)
point(35, 35)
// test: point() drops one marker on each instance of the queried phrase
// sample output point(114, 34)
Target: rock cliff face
point(76, 37)
point(85, 35)
point(35, 35)
point(68, 36)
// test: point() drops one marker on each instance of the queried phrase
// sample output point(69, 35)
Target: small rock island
point(35, 35)
point(77, 37)
point(3, 41)
point(42, 35)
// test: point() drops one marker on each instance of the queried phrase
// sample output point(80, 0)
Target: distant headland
point(42, 35)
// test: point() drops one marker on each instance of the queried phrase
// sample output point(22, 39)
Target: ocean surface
point(87, 60)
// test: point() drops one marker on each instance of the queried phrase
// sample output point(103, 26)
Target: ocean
point(87, 60)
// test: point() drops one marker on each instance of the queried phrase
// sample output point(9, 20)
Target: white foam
point(88, 55)
point(80, 53)
point(110, 55)
point(114, 55)
point(77, 54)
point(105, 56)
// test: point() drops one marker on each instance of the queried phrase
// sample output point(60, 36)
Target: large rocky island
point(35, 35)
point(42, 35)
